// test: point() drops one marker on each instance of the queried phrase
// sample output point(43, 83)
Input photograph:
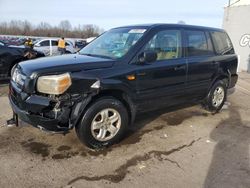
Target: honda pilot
point(125, 71)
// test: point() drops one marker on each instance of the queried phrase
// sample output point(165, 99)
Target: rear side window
point(198, 44)
point(54, 43)
point(222, 43)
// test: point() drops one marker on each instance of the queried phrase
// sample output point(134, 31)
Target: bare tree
point(17, 27)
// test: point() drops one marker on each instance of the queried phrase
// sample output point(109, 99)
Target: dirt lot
point(184, 148)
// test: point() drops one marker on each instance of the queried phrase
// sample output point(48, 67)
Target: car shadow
point(171, 116)
point(4, 82)
point(230, 163)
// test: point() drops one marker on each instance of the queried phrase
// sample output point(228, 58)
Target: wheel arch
point(114, 93)
point(120, 95)
point(222, 75)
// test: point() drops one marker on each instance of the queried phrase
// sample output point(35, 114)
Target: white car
point(49, 46)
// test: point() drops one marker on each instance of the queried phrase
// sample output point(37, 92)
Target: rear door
point(54, 47)
point(162, 82)
point(201, 63)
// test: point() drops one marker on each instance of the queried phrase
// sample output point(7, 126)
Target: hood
point(18, 47)
point(64, 63)
point(16, 50)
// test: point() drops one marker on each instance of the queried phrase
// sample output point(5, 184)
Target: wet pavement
point(180, 147)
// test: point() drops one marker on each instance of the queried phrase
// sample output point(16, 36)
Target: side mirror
point(147, 57)
point(37, 45)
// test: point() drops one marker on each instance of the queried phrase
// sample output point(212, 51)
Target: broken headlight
point(54, 84)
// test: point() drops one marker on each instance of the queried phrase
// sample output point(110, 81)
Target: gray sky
point(112, 13)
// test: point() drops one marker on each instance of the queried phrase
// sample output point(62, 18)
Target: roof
point(157, 25)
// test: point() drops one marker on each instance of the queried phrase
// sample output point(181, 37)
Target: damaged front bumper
point(58, 115)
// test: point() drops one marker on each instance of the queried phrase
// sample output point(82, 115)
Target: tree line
point(44, 29)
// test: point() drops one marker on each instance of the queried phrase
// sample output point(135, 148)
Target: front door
point(162, 82)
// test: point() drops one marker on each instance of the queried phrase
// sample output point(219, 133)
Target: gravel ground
point(186, 147)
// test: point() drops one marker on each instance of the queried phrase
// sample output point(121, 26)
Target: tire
point(215, 101)
point(91, 129)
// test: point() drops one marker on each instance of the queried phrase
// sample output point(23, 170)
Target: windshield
point(113, 44)
point(2, 43)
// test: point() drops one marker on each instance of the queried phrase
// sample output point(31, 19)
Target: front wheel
point(216, 97)
point(103, 124)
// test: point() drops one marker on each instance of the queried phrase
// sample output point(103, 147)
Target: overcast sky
point(112, 13)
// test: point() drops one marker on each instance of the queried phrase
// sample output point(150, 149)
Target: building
point(236, 23)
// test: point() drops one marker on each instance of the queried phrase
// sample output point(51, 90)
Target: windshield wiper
point(96, 55)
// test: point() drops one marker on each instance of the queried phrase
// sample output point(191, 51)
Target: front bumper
point(40, 112)
point(36, 120)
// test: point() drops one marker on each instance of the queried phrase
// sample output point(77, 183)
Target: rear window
point(198, 44)
point(222, 43)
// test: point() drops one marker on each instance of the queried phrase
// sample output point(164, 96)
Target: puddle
point(37, 148)
point(63, 148)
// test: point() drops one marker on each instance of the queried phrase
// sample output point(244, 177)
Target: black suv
point(126, 71)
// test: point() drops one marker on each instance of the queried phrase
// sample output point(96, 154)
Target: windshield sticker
point(140, 31)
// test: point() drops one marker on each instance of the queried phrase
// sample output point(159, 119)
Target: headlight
point(54, 84)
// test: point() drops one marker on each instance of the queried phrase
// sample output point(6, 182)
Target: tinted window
point(44, 43)
point(167, 44)
point(54, 43)
point(222, 43)
point(198, 44)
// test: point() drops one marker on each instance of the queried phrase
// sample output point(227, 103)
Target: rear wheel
point(216, 97)
point(103, 124)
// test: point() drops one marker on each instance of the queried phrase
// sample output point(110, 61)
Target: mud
point(37, 148)
point(65, 155)
point(63, 148)
point(121, 172)
point(177, 118)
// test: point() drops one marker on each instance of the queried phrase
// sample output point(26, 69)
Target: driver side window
point(166, 44)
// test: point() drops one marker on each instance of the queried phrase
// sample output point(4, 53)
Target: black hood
point(64, 63)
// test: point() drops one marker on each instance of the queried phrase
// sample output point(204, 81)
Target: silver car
point(49, 46)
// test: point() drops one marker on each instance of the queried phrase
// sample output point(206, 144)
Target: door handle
point(179, 67)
